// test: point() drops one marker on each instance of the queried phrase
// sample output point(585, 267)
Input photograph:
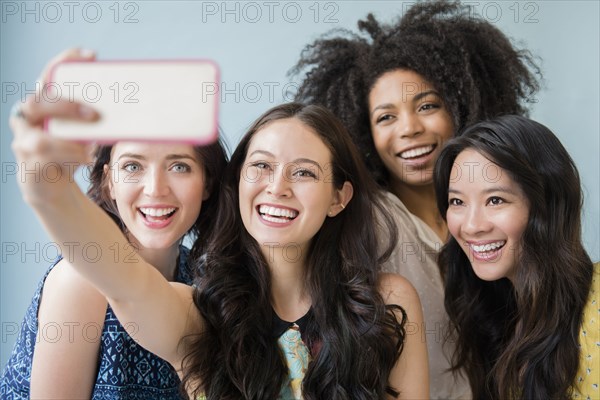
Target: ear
point(205, 194)
point(109, 181)
point(206, 183)
point(341, 199)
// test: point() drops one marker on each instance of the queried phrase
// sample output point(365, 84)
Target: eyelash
point(127, 165)
point(301, 173)
point(501, 200)
point(184, 165)
point(305, 173)
point(429, 106)
point(424, 107)
point(383, 118)
point(260, 165)
point(457, 202)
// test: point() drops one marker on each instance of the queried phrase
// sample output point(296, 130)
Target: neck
point(288, 291)
point(164, 260)
point(421, 201)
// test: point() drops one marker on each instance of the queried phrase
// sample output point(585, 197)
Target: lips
point(486, 251)
point(157, 217)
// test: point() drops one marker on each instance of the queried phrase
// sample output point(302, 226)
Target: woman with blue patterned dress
point(71, 344)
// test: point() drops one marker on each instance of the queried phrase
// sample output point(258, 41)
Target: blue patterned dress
point(126, 371)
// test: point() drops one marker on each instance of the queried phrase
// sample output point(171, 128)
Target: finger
point(35, 111)
point(33, 145)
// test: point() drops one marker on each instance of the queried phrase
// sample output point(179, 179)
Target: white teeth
point(277, 212)
point(156, 212)
point(487, 247)
point(273, 219)
point(419, 151)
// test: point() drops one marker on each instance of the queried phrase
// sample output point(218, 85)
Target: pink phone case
point(166, 101)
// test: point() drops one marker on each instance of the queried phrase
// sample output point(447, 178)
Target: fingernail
point(87, 53)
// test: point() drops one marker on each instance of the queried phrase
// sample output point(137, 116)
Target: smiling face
point(286, 185)
point(158, 190)
point(487, 215)
point(409, 124)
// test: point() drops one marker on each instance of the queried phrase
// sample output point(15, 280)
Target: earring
point(342, 205)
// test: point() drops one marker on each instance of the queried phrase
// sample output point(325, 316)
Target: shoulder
point(66, 294)
point(396, 289)
point(64, 276)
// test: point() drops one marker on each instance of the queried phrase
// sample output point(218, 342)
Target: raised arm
point(410, 376)
point(155, 310)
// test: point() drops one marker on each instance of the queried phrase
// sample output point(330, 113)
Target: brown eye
point(495, 201)
point(384, 117)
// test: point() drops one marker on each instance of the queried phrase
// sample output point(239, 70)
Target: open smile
point(277, 215)
point(417, 152)
point(157, 217)
point(487, 251)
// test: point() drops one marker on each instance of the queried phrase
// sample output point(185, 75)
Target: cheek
point(380, 140)
point(454, 221)
point(519, 224)
point(445, 127)
point(121, 193)
point(193, 194)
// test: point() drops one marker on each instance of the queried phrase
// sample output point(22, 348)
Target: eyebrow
point(417, 97)
point(168, 157)
point(300, 160)
point(502, 189)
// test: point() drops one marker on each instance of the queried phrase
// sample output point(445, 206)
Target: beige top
point(415, 258)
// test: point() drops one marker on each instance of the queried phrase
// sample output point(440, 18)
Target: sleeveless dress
point(126, 371)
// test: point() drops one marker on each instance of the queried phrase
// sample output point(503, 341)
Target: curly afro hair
point(472, 64)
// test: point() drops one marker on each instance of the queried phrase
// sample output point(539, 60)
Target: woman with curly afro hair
point(403, 90)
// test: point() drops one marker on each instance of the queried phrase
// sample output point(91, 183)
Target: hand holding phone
point(139, 100)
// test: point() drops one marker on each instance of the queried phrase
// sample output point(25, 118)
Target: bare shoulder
point(396, 289)
point(65, 290)
point(185, 292)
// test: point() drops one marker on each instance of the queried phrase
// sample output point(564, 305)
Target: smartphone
point(138, 100)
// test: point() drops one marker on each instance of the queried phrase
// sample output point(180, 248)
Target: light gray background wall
point(256, 43)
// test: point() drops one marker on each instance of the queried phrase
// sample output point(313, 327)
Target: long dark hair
point(213, 159)
point(471, 63)
point(354, 338)
point(520, 339)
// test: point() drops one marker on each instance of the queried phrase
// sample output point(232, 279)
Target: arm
point(70, 321)
point(138, 293)
point(410, 375)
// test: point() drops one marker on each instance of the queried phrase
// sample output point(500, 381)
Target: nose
point(409, 125)
point(476, 222)
point(156, 183)
point(279, 185)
